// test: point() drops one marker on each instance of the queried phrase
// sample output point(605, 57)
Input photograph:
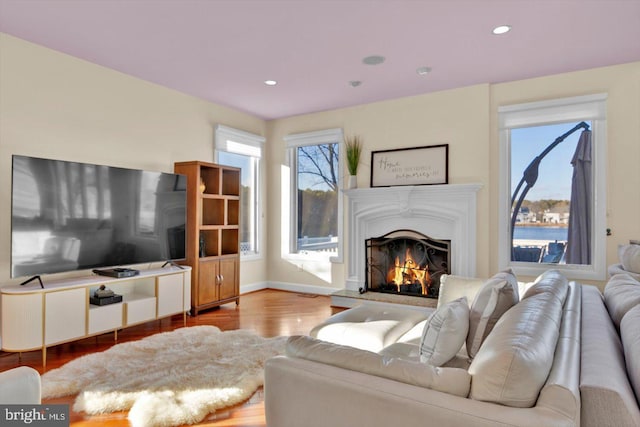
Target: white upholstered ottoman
point(369, 327)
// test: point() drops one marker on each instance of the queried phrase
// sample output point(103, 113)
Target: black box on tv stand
point(106, 300)
point(117, 272)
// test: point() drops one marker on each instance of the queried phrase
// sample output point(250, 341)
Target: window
point(244, 150)
point(552, 181)
point(316, 205)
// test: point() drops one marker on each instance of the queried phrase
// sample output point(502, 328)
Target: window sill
point(312, 256)
point(250, 257)
point(571, 272)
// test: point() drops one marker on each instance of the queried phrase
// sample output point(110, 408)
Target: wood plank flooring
point(268, 312)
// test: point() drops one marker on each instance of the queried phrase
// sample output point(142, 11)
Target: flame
point(409, 272)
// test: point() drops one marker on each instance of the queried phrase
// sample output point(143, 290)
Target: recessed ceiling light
point(501, 29)
point(355, 83)
point(373, 60)
point(270, 82)
point(423, 71)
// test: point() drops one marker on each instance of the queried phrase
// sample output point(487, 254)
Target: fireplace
point(406, 262)
point(445, 212)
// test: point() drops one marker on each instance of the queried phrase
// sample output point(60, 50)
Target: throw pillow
point(550, 282)
point(445, 332)
point(629, 256)
point(630, 335)
point(495, 297)
point(621, 294)
point(515, 361)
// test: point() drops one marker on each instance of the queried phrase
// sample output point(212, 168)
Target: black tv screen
point(74, 216)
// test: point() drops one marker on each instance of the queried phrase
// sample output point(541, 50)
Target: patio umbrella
point(579, 233)
point(530, 176)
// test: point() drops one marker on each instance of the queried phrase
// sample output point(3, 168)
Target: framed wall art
point(410, 166)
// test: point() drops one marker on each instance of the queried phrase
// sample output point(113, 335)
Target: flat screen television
point(75, 216)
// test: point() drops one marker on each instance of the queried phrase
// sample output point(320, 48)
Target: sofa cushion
point(630, 335)
point(411, 352)
point(453, 287)
point(629, 256)
point(516, 358)
point(551, 281)
point(402, 350)
point(445, 331)
point(414, 335)
point(369, 327)
point(448, 380)
point(621, 294)
point(493, 299)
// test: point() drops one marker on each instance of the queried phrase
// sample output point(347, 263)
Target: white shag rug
point(169, 378)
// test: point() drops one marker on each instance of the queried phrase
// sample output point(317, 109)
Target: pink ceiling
point(222, 51)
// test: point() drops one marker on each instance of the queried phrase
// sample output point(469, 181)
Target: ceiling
point(223, 50)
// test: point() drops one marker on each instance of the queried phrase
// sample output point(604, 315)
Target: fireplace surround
point(442, 212)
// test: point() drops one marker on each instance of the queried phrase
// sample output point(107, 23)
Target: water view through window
point(540, 233)
point(541, 229)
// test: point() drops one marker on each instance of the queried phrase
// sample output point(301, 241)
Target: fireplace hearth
point(406, 262)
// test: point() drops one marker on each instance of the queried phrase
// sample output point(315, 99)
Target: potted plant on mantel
point(353, 145)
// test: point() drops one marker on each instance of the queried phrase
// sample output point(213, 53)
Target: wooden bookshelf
point(213, 233)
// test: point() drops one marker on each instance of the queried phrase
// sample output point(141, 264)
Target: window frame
point(293, 142)
point(588, 108)
point(235, 141)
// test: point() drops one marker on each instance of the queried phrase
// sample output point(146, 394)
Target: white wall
point(55, 106)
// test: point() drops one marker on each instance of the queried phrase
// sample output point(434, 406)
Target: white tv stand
point(35, 318)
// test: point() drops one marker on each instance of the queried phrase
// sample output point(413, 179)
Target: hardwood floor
point(268, 312)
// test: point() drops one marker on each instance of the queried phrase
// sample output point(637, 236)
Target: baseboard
point(298, 287)
point(252, 287)
point(286, 286)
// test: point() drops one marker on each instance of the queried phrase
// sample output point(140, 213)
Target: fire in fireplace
point(406, 262)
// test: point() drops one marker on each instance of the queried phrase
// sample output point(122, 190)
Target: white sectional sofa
point(525, 370)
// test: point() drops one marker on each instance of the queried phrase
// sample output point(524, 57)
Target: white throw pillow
point(629, 256)
point(495, 297)
point(630, 335)
point(514, 362)
point(621, 294)
point(445, 332)
point(552, 282)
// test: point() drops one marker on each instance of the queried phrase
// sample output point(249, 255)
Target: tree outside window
point(317, 197)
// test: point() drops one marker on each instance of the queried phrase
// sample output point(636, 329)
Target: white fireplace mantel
point(439, 211)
